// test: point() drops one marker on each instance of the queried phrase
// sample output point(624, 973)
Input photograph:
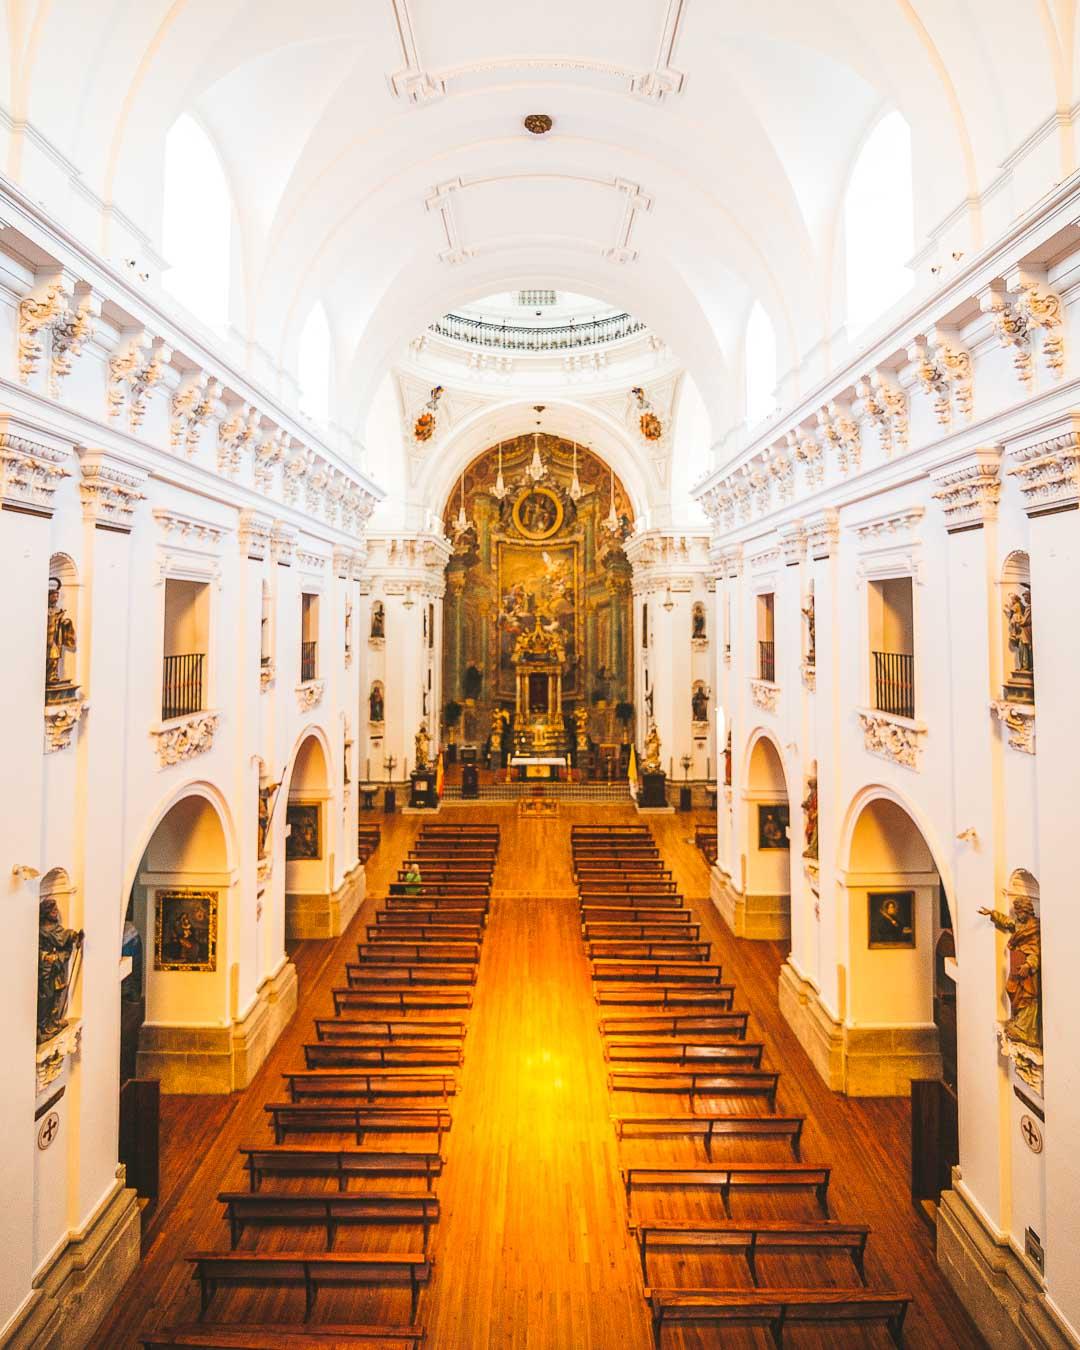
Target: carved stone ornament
point(1019, 721)
point(943, 369)
point(267, 671)
point(840, 432)
point(254, 535)
point(309, 695)
point(969, 489)
point(809, 676)
point(282, 544)
point(268, 454)
point(822, 533)
point(191, 408)
point(52, 1053)
point(188, 529)
point(1018, 318)
point(235, 434)
point(899, 523)
point(135, 369)
point(70, 333)
point(885, 404)
point(61, 719)
point(807, 451)
point(892, 739)
point(30, 473)
point(45, 306)
point(110, 492)
point(764, 695)
point(1048, 472)
point(185, 737)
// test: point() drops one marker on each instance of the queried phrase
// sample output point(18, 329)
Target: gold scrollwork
point(538, 513)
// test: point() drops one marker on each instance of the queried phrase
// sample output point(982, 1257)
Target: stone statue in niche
point(423, 746)
point(1021, 683)
point(378, 620)
point(811, 631)
point(59, 639)
point(267, 796)
point(699, 703)
point(376, 710)
point(1023, 984)
point(58, 950)
point(810, 818)
point(650, 761)
point(697, 620)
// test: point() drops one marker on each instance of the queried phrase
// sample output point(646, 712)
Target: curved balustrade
point(515, 338)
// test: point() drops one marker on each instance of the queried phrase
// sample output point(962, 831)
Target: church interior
point(545, 545)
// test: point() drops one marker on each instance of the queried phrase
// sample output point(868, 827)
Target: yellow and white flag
point(631, 773)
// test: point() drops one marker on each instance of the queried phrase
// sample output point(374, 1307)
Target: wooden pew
point(257, 1336)
point(370, 1083)
point(401, 1000)
point(369, 975)
point(676, 1024)
point(214, 1269)
point(431, 892)
point(351, 1118)
point(360, 1028)
point(342, 1055)
point(434, 909)
point(710, 1127)
point(665, 996)
point(774, 1309)
point(752, 1236)
point(387, 949)
point(734, 1055)
point(311, 1160)
point(360, 1208)
point(661, 930)
point(662, 971)
point(626, 886)
point(694, 1083)
point(386, 929)
point(646, 949)
point(741, 1176)
point(670, 916)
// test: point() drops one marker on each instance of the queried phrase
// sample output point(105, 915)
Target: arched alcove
point(1017, 645)
point(308, 841)
point(64, 619)
point(767, 884)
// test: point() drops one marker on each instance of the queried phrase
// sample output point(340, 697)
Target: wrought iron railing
point(894, 683)
point(532, 299)
point(307, 661)
point(767, 661)
point(518, 338)
point(182, 685)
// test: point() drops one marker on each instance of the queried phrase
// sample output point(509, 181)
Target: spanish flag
point(439, 776)
point(631, 773)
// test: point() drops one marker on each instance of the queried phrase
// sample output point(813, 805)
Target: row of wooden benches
point(704, 1054)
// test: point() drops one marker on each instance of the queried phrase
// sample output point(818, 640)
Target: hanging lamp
point(575, 483)
point(499, 490)
point(612, 522)
point(461, 524)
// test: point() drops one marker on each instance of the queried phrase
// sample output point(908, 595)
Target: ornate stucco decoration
point(892, 738)
point(282, 544)
point(793, 543)
point(235, 434)
point(61, 719)
point(268, 454)
point(840, 431)
point(52, 1053)
point(822, 533)
point(809, 676)
point(110, 490)
point(1019, 721)
point(311, 562)
point(189, 529)
point(808, 452)
point(898, 524)
point(733, 562)
point(969, 488)
point(885, 404)
point(191, 408)
point(1018, 317)
point(254, 535)
point(135, 369)
point(764, 695)
point(315, 486)
point(309, 695)
point(45, 306)
point(342, 563)
point(782, 469)
point(296, 467)
point(1048, 471)
point(764, 558)
point(267, 674)
point(943, 369)
point(335, 493)
point(184, 738)
point(30, 473)
point(70, 333)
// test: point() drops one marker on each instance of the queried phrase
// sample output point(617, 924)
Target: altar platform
point(539, 768)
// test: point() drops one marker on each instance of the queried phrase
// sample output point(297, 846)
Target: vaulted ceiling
point(699, 151)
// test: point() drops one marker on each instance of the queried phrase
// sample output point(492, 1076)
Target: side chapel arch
point(767, 889)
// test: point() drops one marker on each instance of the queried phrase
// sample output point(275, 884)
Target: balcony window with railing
point(182, 685)
point(767, 661)
point(894, 683)
point(307, 661)
point(766, 670)
point(309, 637)
point(891, 641)
point(185, 646)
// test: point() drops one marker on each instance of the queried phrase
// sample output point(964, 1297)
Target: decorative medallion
point(1031, 1133)
point(651, 426)
point(538, 123)
point(184, 738)
point(49, 1129)
point(538, 513)
point(424, 428)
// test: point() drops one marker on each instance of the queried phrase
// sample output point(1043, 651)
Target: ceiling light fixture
point(499, 490)
point(538, 123)
point(575, 482)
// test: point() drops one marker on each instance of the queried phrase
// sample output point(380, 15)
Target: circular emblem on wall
point(1032, 1134)
point(48, 1130)
point(425, 426)
point(651, 426)
point(538, 513)
point(538, 123)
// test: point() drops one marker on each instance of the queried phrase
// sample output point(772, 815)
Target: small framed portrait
point(772, 826)
point(303, 841)
point(891, 919)
point(538, 513)
point(185, 930)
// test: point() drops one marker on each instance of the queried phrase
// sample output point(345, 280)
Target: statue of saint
point(1023, 985)
point(699, 703)
point(423, 746)
point(57, 946)
point(378, 620)
point(59, 635)
point(811, 632)
point(267, 792)
point(698, 621)
point(376, 710)
point(1018, 617)
point(651, 759)
point(810, 817)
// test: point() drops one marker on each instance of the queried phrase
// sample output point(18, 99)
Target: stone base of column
point(1002, 1294)
point(858, 1061)
point(762, 918)
point(219, 1059)
point(325, 915)
point(79, 1285)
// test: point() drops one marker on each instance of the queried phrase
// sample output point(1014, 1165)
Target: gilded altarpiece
point(543, 555)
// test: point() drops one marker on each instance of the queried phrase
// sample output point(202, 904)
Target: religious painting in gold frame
point(538, 587)
point(538, 513)
point(185, 930)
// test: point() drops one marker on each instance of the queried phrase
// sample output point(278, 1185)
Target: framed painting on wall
point(185, 930)
point(890, 919)
point(772, 826)
point(303, 842)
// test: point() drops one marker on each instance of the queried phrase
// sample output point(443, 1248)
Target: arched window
point(879, 225)
point(760, 366)
point(196, 223)
point(313, 365)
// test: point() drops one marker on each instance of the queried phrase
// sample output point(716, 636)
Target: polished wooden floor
point(533, 1248)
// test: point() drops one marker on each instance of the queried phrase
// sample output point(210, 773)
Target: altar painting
point(538, 589)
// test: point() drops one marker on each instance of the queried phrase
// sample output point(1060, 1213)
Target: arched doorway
point(312, 909)
point(767, 881)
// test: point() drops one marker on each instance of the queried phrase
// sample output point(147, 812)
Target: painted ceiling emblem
point(651, 426)
point(424, 427)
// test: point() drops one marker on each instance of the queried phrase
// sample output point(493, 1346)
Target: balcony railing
point(894, 683)
point(182, 685)
point(518, 338)
point(767, 661)
point(307, 661)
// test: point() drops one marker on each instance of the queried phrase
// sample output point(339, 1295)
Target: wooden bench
point(751, 1236)
point(287, 1207)
point(432, 892)
point(386, 949)
point(624, 899)
point(694, 1083)
point(629, 886)
point(645, 949)
point(401, 1000)
point(213, 1269)
point(391, 926)
point(741, 1176)
point(676, 1024)
point(370, 1083)
point(248, 1336)
point(340, 1054)
point(736, 1054)
point(726, 1126)
point(310, 1160)
point(668, 917)
point(663, 972)
point(349, 1118)
point(774, 1309)
point(360, 1028)
point(435, 909)
point(665, 996)
point(407, 973)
